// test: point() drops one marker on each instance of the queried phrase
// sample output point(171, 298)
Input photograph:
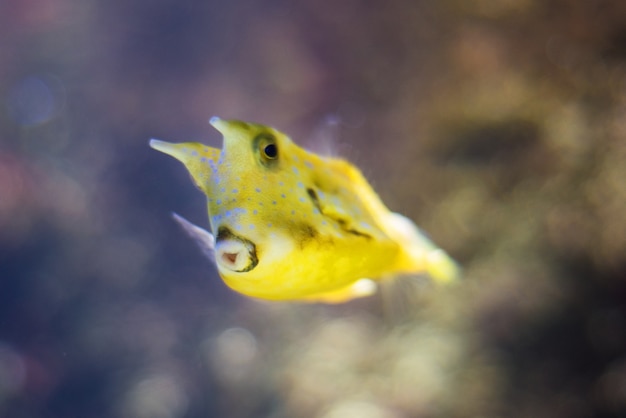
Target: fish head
point(255, 201)
point(261, 209)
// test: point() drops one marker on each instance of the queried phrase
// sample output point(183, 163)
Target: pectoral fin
point(202, 237)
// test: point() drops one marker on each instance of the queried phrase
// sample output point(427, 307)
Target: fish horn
point(199, 159)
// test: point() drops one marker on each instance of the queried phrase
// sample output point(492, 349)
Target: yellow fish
point(292, 225)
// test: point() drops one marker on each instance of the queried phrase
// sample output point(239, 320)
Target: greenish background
point(498, 126)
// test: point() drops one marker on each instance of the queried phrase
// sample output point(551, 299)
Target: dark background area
point(498, 126)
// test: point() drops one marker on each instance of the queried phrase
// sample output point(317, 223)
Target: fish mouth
point(233, 252)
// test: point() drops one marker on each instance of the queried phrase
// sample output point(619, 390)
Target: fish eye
point(266, 144)
point(270, 151)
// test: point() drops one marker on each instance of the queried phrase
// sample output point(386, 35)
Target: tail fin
point(422, 254)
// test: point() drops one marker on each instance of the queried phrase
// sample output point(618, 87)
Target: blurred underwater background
point(498, 126)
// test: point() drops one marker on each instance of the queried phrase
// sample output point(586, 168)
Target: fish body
point(288, 224)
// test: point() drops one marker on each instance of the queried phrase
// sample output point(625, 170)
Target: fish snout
point(233, 252)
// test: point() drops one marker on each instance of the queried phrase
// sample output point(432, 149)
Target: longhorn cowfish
point(288, 224)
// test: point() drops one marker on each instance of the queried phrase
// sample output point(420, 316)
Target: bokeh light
point(34, 100)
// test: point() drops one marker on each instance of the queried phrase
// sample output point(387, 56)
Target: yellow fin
point(359, 289)
point(441, 267)
point(423, 254)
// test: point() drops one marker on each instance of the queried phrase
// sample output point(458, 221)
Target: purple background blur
point(499, 127)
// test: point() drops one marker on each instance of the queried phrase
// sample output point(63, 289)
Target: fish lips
point(234, 252)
